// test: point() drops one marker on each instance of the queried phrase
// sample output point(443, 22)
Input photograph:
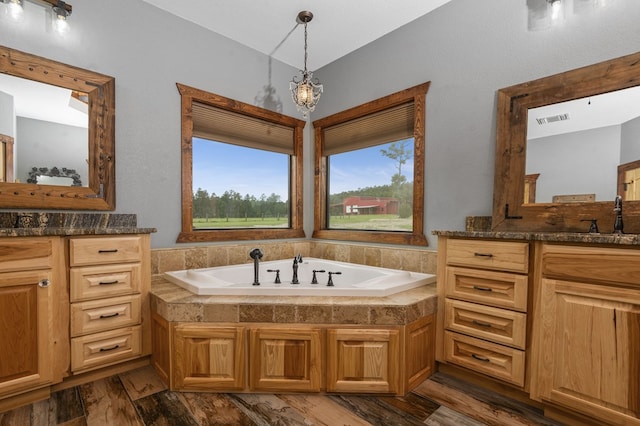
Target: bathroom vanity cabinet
point(550, 317)
point(483, 294)
point(32, 294)
point(70, 304)
point(587, 333)
point(107, 286)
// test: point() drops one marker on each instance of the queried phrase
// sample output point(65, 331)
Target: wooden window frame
point(189, 95)
point(417, 94)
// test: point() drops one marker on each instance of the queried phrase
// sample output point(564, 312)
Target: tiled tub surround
point(406, 259)
point(176, 304)
point(292, 343)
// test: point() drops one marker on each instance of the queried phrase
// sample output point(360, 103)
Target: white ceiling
point(609, 109)
point(338, 27)
point(44, 102)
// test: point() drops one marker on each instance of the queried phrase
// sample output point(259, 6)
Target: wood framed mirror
point(97, 92)
point(515, 105)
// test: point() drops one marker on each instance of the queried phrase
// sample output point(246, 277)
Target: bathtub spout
point(294, 280)
point(256, 255)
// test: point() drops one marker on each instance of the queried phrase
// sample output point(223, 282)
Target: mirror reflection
point(584, 150)
point(49, 127)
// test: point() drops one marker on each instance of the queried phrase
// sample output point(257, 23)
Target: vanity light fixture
point(60, 11)
point(544, 13)
point(306, 92)
point(15, 9)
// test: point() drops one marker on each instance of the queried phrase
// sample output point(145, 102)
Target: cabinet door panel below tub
point(285, 360)
point(208, 357)
point(361, 360)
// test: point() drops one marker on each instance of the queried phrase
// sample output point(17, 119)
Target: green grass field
point(373, 222)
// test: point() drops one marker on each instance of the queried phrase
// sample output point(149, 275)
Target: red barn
point(370, 205)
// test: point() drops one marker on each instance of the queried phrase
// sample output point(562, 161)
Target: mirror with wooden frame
point(98, 93)
point(514, 205)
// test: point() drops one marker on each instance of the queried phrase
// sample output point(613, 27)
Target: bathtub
point(353, 280)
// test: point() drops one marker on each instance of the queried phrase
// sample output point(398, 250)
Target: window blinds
point(382, 127)
point(230, 127)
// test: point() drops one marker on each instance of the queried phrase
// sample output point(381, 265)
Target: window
point(369, 183)
point(241, 170)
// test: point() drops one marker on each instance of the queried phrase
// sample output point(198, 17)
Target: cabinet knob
point(44, 283)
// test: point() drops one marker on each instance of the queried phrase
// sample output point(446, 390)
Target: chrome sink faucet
point(256, 255)
point(618, 225)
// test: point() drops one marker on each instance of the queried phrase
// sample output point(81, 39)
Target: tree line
point(232, 204)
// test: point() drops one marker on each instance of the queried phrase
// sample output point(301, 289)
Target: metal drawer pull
point(481, 323)
point(108, 282)
point(477, 287)
point(483, 254)
point(108, 251)
point(110, 315)
point(480, 358)
point(44, 283)
point(109, 349)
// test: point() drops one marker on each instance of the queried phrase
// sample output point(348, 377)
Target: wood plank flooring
point(139, 397)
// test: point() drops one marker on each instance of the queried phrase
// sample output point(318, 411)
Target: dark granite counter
point(561, 237)
point(30, 224)
point(45, 232)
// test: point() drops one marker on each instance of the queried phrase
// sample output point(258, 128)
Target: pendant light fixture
point(306, 92)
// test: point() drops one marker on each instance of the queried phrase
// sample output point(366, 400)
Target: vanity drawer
point(494, 360)
point(104, 314)
point(93, 282)
point(495, 324)
point(500, 289)
point(19, 254)
point(99, 251)
point(591, 264)
point(101, 349)
point(497, 255)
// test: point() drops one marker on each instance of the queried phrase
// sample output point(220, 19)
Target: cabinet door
point(25, 338)
point(361, 360)
point(589, 354)
point(208, 358)
point(285, 360)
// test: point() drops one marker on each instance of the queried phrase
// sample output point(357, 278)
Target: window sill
point(238, 235)
point(372, 237)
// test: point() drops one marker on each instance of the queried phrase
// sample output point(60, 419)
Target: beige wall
point(408, 259)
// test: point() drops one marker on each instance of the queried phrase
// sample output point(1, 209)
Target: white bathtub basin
point(353, 280)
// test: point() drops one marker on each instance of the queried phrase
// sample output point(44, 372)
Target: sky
point(218, 167)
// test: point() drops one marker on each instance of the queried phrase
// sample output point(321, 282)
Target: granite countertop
point(563, 237)
point(30, 224)
point(174, 303)
point(45, 232)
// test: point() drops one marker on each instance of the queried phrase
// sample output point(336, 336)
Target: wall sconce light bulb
point(60, 24)
point(15, 10)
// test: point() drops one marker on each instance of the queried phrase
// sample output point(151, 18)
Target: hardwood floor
point(140, 398)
